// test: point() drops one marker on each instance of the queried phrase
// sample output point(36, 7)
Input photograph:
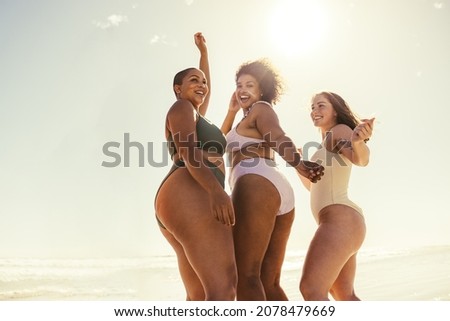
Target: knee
point(305, 290)
point(225, 294)
point(197, 294)
point(195, 291)
point(232, 286)
point(343, 295)
point(270, 281)
point(311, 292)
point(225, 290)
point(250, 280)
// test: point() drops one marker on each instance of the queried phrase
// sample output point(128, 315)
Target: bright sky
point(75, 75)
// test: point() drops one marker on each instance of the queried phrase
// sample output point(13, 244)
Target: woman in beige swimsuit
point(330, 263)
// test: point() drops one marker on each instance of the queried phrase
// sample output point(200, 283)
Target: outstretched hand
point(363, 131)
point(200, 41)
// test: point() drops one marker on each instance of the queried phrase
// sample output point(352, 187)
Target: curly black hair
point(269, 80)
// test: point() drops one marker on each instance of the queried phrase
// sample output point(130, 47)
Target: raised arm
point(200, 42)
point(268, 125)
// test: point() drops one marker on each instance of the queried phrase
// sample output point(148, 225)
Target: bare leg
point(192, 284)
point(273, 260)
point(255, 221)
point(204, 246)
point(209, 249)
point(340, 234)
point(342, 289)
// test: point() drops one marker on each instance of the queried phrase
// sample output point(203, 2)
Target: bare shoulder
point(182, 111)
point(261, 104)
point(181, 107)
point(262, 108)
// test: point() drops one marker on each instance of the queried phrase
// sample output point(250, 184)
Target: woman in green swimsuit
point(194, 212)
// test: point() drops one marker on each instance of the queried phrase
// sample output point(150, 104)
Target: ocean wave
point(131, 278)
point(14, 270)
point(21, 269)
point(59, 292)
point(33, 269)
point(294, 259)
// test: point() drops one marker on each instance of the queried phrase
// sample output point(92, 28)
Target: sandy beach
point(421, 274)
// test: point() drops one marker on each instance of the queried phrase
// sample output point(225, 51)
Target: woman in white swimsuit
point(330, 263)
point(263, 199)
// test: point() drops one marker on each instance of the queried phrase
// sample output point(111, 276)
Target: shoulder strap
point(262, 102)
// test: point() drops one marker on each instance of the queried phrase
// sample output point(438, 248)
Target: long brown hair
point(344, 113)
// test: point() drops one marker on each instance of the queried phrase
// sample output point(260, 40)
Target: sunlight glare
point(297, 26)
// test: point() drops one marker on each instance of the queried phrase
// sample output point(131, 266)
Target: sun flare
point(297, 26)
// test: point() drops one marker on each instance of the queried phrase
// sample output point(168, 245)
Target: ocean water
point(157, 278)
point(83, 279)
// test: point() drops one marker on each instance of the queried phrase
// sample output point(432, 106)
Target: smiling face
point(247, 91)
point(193, 87)
point(323, 114)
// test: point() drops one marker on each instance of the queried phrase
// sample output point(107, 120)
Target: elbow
point(362, 163)
point(365, 160)
point(225, 130)
point(187, 154)
point(361, 159)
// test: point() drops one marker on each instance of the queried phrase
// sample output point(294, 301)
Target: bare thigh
point(340, 234)
point(256, 202)
point(343, 287)
point(192, 284)
point(274, 257)
point(184, 209)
